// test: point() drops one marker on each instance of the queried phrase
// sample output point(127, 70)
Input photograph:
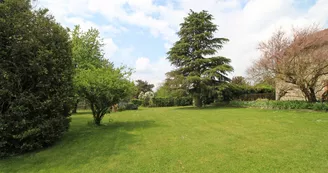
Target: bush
point(136, 102)
point(228, 92)
point(281, 105)
point(131, 106)
point(122, 106)
point(167, 102)
point(35, 79)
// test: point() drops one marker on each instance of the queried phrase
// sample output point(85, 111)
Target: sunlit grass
point(186, 140)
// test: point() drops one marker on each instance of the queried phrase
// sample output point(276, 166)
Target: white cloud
point(153, 72)
point(110, 47)
point(244, 22)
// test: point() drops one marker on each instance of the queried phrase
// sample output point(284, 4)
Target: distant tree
point(300, 60)
point(191, 56)
point(103, 88)
point(143, 86)
point(35, 78)
point(239, 80)
point(173, 86)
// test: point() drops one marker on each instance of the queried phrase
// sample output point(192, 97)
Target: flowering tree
point(146, 97)
point(300, 60)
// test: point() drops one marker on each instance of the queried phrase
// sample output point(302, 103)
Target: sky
point(138, 33)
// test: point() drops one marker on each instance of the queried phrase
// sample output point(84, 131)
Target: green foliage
point(104, 87)
point(231, 91)
point(87, 49)
point(271, 104)
point(136, 102)
point(35, 78)
point(123, 106)
point(131, 106)
point(87, 54)
point(168, 102)
point(190, 54)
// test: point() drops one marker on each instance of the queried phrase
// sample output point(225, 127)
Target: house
point(288, 91)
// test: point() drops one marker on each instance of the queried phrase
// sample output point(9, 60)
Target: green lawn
point(186, 140)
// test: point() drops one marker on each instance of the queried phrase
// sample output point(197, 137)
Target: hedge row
point(230, 92)
point(318, 106)
point(136, 102)
point(167, 102)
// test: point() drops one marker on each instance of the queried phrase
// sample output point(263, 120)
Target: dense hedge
point(282, 105)
point(230, 92)
point(167, 102)
point(35, 78)
point(122, 106)
point(136, 102)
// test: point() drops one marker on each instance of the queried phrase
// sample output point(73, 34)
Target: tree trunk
point(74, 111)
point(97, 120)
point(313, 97)
point(309, 94)
point(197, 101)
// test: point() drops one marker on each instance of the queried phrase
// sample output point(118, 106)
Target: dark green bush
point(136, 102)
point(228, 92)
point(183, 101)
point(122, 106)
point(270, 104)
point(131, 106)
point(35, 78)
point(167, 102)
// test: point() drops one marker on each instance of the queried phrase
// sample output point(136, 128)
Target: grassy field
point(186, 140)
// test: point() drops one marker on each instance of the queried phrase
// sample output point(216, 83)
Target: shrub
point(281, 105)
point(136, 102)
point(167, 102)
point(228, 92)
point(35, 78)
point(131, 106)
point(122, 106)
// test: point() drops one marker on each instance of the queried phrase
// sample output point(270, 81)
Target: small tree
point(87, 54)
point(191, 55)
point(103, 88)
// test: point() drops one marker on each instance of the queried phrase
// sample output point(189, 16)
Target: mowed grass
point(186, 140)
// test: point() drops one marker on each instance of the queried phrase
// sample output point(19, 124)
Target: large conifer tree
point(194, 56)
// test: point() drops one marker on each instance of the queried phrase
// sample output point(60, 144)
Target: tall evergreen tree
point(193, 55)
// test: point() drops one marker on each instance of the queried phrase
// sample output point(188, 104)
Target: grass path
point(186, 140)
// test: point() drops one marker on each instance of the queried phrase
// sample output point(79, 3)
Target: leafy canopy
point(104, 87)
point(35, 78)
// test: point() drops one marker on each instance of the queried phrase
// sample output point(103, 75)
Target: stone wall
point(294, 93)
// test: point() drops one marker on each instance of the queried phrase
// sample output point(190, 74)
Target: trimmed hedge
point(318, 106)
point(136, 102)
point(230, 92)
point(167, 102)
point(122, 106)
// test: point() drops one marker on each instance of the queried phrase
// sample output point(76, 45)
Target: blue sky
point(138, 33)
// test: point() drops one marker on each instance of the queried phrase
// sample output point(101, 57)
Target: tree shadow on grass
point(89, 112)
point(82, 145)
point(208, 107)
